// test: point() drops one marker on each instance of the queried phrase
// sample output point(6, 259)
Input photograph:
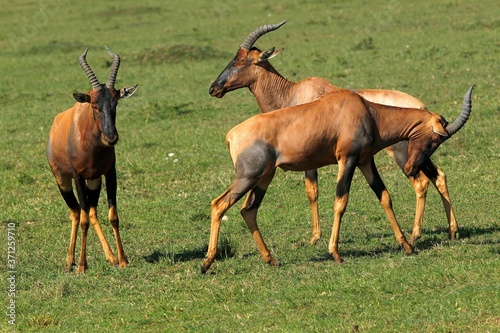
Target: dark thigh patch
point(255, 160)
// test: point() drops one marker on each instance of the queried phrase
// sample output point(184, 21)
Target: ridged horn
point(110, 83)
point(257, 33)
point(457, 124)
point(88, 71)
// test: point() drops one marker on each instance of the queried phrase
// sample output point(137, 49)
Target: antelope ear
point(269, 54)
point(81, 97)
point(439, 129)
point(128, 91)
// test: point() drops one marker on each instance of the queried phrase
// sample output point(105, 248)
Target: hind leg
point(220, 205)
point(344, 179)
point(252, 165)
point(249, 213)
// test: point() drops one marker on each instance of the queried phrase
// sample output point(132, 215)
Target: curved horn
point(252, 38)
point(110, 83)
point(457, 124)
point(86, 68)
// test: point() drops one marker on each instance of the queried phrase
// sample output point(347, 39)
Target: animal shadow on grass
point(429, 240)
point(479, 236)
point(225, 250)
point(346, 253)
point(473, 235)
point(159, 255)
point(431, 237)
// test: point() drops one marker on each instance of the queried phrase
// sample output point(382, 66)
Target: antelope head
point(243, 69)
point(431, 134)
point(104, 98)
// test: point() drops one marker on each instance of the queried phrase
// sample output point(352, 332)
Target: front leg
point(311, 182)
point(81, 190)
point(94, 190)
point(438, 178)
point(372, 176)
point(111, 185)
point(420, 184)
point(66, 190)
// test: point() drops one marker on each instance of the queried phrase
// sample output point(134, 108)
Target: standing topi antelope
point(341, 128)
point(81, 147)
point(251, 68)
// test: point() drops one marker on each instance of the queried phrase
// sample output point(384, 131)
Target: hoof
point(315, 240)
point(206, 265)
point(408, 248)
point(414, 253)
point(112, 261)
point(122, 262)
point(337, 258)
point(69, 267)
point(273, 262)
point(82, 266)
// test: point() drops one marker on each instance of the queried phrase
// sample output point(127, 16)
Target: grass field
point(432, 50)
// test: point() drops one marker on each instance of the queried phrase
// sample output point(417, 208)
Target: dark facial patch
point(236, 65)
point(418, 153)
point(217, 87)
point(107, 100)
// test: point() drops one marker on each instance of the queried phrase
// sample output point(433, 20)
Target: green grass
point(433, 51)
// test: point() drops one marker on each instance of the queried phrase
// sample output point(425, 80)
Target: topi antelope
point(341, 128)
point(81, 147)
point(251, 68)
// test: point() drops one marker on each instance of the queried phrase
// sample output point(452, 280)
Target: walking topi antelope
point(341, 128)
point(81, 147)
point(251, 68)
